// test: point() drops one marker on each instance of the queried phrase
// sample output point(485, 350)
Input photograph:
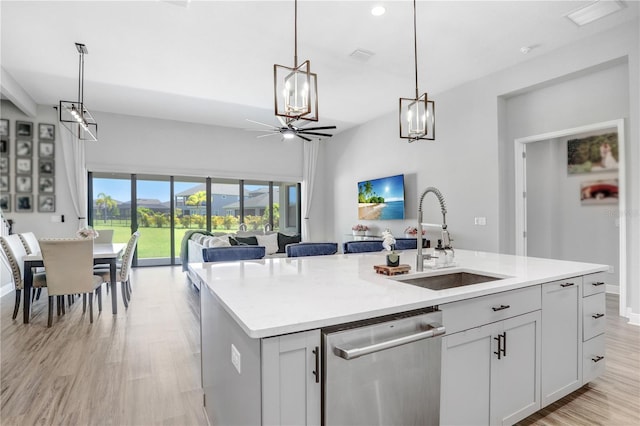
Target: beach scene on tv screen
point(381, 199)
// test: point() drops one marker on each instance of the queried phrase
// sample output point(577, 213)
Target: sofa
point(203, 246)
point(365, 246)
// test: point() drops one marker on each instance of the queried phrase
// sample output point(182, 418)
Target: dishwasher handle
point(434, 330)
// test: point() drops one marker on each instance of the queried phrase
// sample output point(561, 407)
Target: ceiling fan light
point(288, 134)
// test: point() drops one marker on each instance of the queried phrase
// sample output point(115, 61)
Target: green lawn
point(153, 242)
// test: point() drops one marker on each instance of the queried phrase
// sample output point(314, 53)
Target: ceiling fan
point(288, 130)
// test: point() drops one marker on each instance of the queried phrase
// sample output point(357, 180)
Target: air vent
point(361, 55)
point(594, 11)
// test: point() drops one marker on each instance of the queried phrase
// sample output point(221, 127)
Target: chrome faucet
point(446, 240)
point(242, 227)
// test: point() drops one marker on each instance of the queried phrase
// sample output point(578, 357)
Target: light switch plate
point(481, 221)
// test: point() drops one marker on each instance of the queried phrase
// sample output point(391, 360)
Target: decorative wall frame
point(589, 152)
point(46, 167)
point(24, 203)
point(4, 147)
point(4, 165)
point(24, 184)
point(24, 130)
point(46, 203)
point(4, 128)
point(46, 131)
point(46, 185)
point(24, 148)
point(4, 184)
point(46, 149)
point(23, 166)
point(5, 202)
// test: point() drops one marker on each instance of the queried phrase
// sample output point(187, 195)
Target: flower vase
point(393, 259)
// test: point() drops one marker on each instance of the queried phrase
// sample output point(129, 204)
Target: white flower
point(388, 240)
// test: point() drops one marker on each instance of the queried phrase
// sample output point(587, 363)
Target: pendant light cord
point(295, 35)
point(415, 45)
point(80, 80)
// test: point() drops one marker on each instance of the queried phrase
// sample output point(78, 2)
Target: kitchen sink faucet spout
point(446, 241)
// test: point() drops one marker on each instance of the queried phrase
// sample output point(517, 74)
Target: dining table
point(103, 254)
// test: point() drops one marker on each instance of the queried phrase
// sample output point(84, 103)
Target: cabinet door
point(291, 376)
point(561, 339)
point(515, 377)
point(466, 376)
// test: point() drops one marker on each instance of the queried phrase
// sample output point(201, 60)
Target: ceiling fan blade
point(302, 137)
point(321, 128)
point(314, 133)
point(262, 124)
point(262, 130)
point(268, 134)
point(281, 120)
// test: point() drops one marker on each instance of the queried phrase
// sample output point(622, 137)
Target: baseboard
point(6, 289)
point(613, 289)
point(634, 319)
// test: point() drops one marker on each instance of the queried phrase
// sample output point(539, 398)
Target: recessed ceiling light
point(378, 11)
point(525, 49)
point(594, 11)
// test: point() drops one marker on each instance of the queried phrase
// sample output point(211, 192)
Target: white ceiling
point(212, 61)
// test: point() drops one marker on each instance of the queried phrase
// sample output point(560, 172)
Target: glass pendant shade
point(78, 120)
point(295, 92)
point(417, 118)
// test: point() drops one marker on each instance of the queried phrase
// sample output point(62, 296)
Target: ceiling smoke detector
point(594, 11)
point(362, 55)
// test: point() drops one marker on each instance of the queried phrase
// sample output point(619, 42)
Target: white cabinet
point(291, 376)
point(490, 373)
point(561, 338)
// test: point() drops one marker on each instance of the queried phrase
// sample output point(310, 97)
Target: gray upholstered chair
point(227, 254)
point(311, 249)
point(69, 268)
point(123, 270)
point(14, 250)
point(105, 236)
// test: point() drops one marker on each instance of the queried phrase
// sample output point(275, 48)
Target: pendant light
point(74, 115)
point(295, 88)
point(417, 115)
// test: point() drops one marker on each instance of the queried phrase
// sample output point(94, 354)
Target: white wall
point(472, 160)
point(558, 225)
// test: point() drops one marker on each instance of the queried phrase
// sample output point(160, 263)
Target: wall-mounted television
point(381, 199)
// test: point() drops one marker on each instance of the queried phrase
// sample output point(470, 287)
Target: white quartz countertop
point(270, 297)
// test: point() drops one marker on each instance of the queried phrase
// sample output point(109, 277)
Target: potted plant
point(389, 244)
point(359, 229)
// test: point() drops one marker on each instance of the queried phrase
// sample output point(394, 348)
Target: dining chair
point(30, 242)
point(105, 236)
point(123, 271)
point(15, 251)
point(69, 268)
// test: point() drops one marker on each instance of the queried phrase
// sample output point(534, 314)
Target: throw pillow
point(284, 239)
point(252, 241)
point(217, 242)
point(269, 241)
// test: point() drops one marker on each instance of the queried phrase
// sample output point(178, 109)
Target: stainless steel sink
point(444, 281)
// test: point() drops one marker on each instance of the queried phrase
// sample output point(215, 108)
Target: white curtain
point(310, 154)
point(74, 160)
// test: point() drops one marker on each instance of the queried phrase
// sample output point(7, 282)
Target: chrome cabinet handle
point(597, 283)
point(434, 331)
point(566, 285)
point(597, 358)
point(596, 316)
point(501, 307)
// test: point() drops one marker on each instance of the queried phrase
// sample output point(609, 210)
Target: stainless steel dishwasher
point(384, 371)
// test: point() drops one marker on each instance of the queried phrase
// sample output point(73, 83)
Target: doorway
point(562, 208)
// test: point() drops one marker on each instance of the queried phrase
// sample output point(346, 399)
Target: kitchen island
point(261, 323)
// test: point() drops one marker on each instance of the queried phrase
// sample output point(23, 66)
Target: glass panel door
point(112, 204)
point(189, 197)
point(225, 205)
point(256, 205)
point(153, 208)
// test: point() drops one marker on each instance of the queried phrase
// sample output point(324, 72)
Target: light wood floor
point(142, 367)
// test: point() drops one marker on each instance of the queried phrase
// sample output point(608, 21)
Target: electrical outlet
point(56, 219)
point(611, 270)
point(481, 221)
point(236, 358)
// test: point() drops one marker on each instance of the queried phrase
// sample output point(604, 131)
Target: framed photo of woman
point(46, 203)
point(24, 203)
point(47, 131)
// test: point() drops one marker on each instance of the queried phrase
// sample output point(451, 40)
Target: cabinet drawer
point(593, 284)
point(594, 319)
point(465, 314)
point(593, 361)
